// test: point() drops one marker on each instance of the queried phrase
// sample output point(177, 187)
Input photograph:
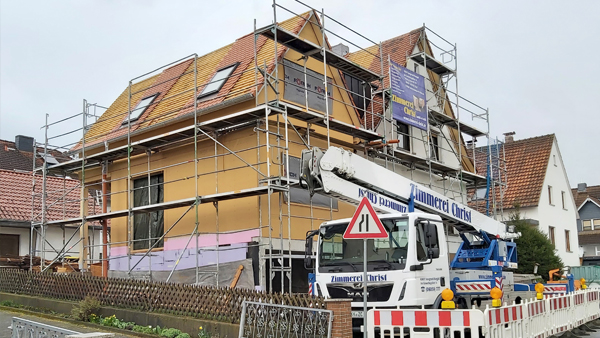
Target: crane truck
point(411, 267)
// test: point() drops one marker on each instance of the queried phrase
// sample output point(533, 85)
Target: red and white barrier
point(560, 313)
point(503, 322)
point(384, 322)
point(536, 325)
point(592, 304)
point(579, 309)
point(531, 319)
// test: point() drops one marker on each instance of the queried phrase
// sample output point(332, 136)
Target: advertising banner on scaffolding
point(294, 87)
point(409, 104)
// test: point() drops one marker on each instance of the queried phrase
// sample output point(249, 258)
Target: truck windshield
point(389, 252)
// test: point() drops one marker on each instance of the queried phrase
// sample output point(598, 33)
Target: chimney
point(340, 49)
point(508, 137)
point(581, 187)
point(24, 143)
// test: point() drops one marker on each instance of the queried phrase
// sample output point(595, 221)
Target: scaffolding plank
point(432, 64)
point(473, 178)
point(336, 125)
point(453, 123)
point(440, 117)
point(407, 156)
point(186, 202)
point(140, 147)
point(315, 51)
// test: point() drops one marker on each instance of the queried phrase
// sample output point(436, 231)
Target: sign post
point(365, 224)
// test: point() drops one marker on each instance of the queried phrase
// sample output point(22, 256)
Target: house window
point(217, 81)
point(554, 160)
point(360, 93)
point(302, 196)
point(550, 194)
point(551, 234)
point(148, 227)
point(562, 196)
point(140, 108)
point(403, 136)
point(591, 224)
point(416, 68)
point(480, 194)
point(568, 241)
point(434, 147)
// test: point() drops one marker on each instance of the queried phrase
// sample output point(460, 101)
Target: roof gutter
point(204, 111)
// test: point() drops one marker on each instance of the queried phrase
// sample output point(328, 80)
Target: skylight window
point(218, 80)
point(140, 108)
point(49, 158)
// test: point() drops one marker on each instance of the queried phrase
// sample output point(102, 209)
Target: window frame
point(403, 136)
point(568, 240)
point(137, 107)
point(146, 241)
point(550, 195)
point(551, 235)
point(562, 196)
point(591, 224)
point(434, 147)
point(204, 94)
point(359, 94)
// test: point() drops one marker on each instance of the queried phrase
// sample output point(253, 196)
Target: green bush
point(85, 308)
point(183, 335)
point(170, 333)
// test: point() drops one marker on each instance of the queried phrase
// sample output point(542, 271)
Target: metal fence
point(221, 304)
point(261, 320)
point(23, 328)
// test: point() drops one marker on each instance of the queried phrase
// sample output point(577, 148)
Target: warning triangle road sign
point(365, 223)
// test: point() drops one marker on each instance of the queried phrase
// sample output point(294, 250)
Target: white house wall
point(554, 214)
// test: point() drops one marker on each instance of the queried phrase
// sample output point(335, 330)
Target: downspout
point(104, 221)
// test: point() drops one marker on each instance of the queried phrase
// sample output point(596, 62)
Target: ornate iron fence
point(221, 304)
point(260, 320)
point(23, 328)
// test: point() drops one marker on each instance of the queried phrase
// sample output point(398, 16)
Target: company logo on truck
point(442, 204)
point(350, 279)
point(381, 200)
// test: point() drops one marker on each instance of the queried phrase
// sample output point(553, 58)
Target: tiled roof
point(13, 159)
point(526, 164)
point(175, 85)
point(592, 193)
point(16, 197)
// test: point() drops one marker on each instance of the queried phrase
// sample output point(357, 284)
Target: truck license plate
point(358, 314)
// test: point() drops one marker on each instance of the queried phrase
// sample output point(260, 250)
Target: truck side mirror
point(431, 240)
point(308, 249)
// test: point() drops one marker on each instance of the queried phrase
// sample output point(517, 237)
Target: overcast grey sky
point(534, 64)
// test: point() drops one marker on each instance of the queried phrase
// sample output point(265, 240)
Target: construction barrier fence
point(216, 303)
point(529, 319)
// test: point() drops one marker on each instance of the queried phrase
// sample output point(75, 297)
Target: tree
point(533, 247)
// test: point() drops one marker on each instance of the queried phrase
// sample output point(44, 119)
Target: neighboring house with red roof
point(587, 200)
point(19, 204)
point(536, 181)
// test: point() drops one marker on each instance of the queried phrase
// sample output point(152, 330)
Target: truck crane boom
point(349, 177)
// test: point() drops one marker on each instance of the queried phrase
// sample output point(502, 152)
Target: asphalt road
point(6, 319)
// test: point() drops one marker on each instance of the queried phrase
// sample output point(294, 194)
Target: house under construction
point(196, 163)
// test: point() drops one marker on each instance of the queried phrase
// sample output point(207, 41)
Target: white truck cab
point(408, 268)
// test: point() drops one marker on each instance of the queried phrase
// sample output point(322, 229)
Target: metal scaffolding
point(278, 125)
